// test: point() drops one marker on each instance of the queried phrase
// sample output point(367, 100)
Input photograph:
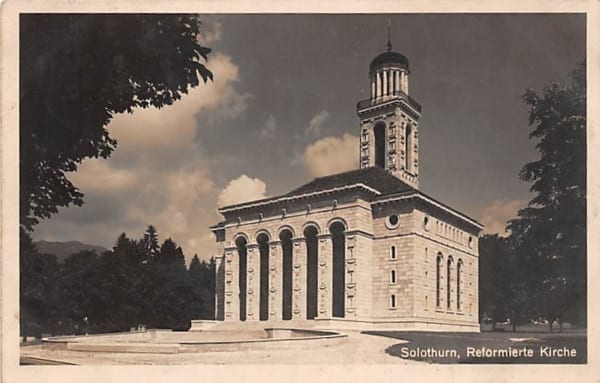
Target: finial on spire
point(389, 44)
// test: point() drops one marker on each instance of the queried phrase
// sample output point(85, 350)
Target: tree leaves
point(116, 290)
point(550, 233)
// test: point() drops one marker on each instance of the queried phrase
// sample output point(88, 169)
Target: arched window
point(393, 252)
point(379, 132)
point(393, 277)
point(448, 282)
point(287, 248)
point(438, 281)
point(263, 302)
point(338, 243)
point(241, 243)
point(312, 257)
point(459, 267)
point(392, 301)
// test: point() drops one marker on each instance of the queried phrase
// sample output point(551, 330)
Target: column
point(378, 75)
point(325, 276)
point(299, 278)
point(373, 87)
point(275, 280)
point(253, 282)
point(398, 87)
point(232, 288)
point(385, 83)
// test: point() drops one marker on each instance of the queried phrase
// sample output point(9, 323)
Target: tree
point(550, 233)
point(38, 293)
point(494, 278)
point(77, 71)
point(170, 291)
point(150, 242)
point(202, 276)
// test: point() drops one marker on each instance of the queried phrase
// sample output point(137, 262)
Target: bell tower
point(389, 119)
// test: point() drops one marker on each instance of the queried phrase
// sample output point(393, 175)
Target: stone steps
point(163, 348)
point(261, 325)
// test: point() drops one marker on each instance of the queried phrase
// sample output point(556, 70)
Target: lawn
point(490, 347)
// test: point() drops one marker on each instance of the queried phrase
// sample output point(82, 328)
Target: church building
point(363, 248)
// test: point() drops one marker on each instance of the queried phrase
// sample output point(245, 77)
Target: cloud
point(173, 127)
point(316, 123)
point(268, 132)
point(496, 215)
point(331, 155)
point(242, 189)
point(158, 174)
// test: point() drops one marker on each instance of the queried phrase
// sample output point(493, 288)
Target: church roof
point(373, 177)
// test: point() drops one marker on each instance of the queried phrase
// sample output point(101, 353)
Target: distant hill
point(63, 249)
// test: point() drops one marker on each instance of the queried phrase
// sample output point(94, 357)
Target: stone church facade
point(362, 248)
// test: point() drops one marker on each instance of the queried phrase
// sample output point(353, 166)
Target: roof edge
point(285, 197)
point(425, 197)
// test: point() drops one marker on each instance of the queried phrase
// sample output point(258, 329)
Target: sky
point(282, 110)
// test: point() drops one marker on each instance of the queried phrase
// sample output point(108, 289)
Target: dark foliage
point(550, 233)
point(114, 291)
point(540, 271)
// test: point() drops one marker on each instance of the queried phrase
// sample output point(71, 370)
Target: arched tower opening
point(379, 133)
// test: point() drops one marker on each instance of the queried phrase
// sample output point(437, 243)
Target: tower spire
point(389, 43)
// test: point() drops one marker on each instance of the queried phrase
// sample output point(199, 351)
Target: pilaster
point(275, 280)
point(232, 288)
point(299, 279)
point(253, 281)
point(219, 287)
point(325, 277)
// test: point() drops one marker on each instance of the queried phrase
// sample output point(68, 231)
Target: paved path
point(356, 349)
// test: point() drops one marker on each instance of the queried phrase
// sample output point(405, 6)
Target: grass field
point(490, 347)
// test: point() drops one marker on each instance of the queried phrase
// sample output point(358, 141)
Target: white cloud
point(268, 132)
point(316, 123)
point(331, 155)
point(111, 179)
point(158, 174)
point(173, 127)
point(242, 189)
point(496, 215)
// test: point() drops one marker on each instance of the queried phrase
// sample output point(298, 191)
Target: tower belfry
point(389, 118)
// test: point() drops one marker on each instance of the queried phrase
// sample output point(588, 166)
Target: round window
point(392, 221)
